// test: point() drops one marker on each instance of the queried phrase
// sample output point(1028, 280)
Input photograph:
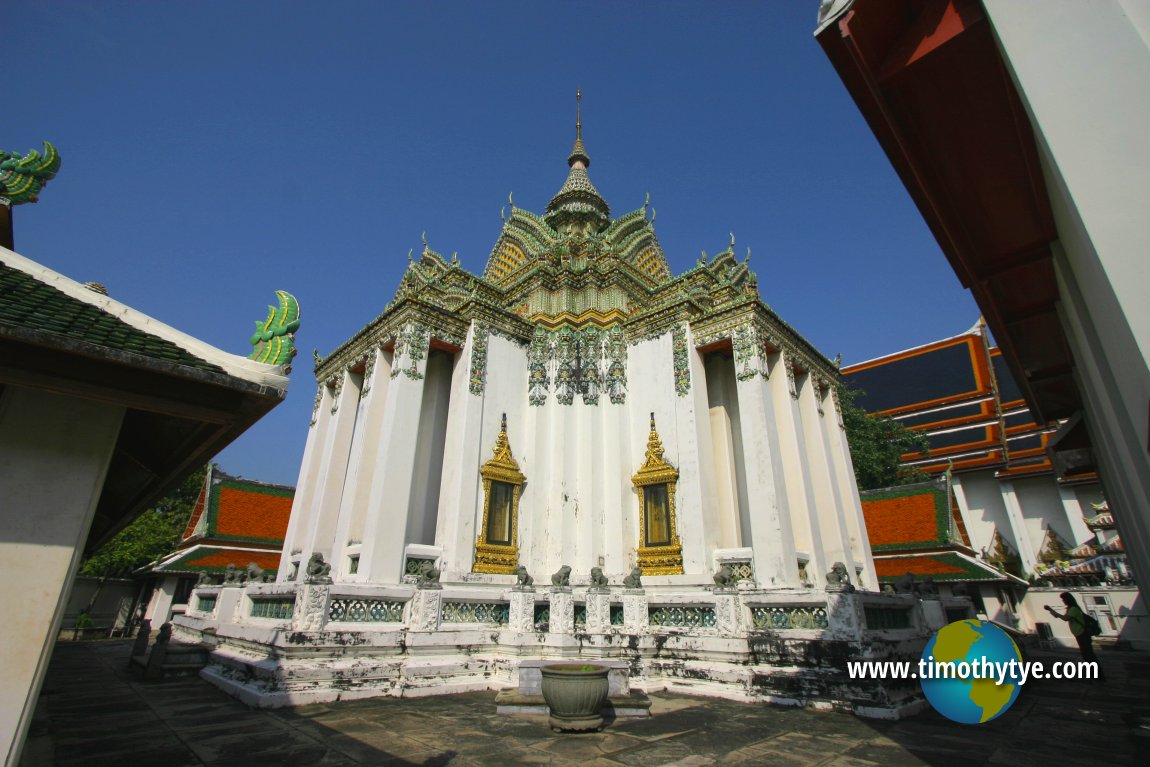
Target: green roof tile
point(27, 303)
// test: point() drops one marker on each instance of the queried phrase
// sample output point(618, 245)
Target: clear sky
point(214, 152)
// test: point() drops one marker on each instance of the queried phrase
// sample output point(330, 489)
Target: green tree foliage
point(877, 442)
point(150, 536)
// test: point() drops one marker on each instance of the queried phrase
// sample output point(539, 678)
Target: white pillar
point(1073, 508)
point(385, 528)
point(835, 544)
point(768, 494)
point(360, 465)
point(160, 605)
point(309, 477)
point(460, 489)
point(319, 534)
point(834, 433)
point(1022, 543)
point(54, 455)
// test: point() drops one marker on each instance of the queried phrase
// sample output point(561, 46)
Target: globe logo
point(962, 667)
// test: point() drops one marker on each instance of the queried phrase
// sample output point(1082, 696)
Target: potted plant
point(575, 694)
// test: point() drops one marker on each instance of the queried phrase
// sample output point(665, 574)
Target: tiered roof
point(917, 529)
point(960, 393)
point(234, 521)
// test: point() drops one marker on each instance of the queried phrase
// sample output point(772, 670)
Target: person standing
point(1077, 620)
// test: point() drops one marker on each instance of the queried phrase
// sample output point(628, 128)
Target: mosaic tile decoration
point(686, 617)
point(789, 617)
point(365, 611)
point(278, 609)
point(475, 612)
point(741, 570)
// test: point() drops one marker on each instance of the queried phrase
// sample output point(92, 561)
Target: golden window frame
point(667, 559)
point(502, 467)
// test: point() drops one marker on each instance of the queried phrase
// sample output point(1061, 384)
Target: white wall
point(1083, 70)
point(54, 454)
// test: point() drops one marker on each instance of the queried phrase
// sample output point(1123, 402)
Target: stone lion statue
point(522, 577)
point(838, 579)
point(317, 569)
point(256, 574)
point(724, 578)
point(562, 577)
point(598, 579)
point(232, 574)
point(635, 579)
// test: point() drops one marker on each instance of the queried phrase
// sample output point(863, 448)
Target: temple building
point(235, 522)
point(575, 454)
point(995, 520)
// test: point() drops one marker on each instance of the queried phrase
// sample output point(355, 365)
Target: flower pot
point(575, 694)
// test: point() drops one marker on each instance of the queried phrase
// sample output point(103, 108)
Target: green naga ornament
point(23, 176)
point(273, 343)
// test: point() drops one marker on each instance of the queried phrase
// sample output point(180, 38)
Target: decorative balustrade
point(542, 617)
point(789, 617)
point(206, 603)
point(681, 616)
point(498, 613)
point(887, 617)
point(349, 610)
point(616, 615)
point(580, 616)
point(277, 608)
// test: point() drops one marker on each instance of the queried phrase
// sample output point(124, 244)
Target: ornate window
point(660, 551)
point(497, 546)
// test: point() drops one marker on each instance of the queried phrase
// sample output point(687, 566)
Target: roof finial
point(578, 114)
point(579, 154)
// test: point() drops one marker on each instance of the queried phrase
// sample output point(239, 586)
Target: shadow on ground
point(92, 713)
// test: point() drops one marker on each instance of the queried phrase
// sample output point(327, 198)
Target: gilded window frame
point(657, 560)
point(502, 467)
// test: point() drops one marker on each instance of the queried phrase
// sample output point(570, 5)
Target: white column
point(800, 487)
point(54, 455)
point(828, 505)
point(460, 490)
point(319, 534)
point(385, 528)
point(844, 476)
point(1073, 508)
point(309, 477)
point(1022, 543)
point(360, 464)
point(768, 494)
point(159, 609)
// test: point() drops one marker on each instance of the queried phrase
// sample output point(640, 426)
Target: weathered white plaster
point(54, 453)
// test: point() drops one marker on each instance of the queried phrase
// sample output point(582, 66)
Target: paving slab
point(93, 711)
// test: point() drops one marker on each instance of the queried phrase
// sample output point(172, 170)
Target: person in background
point(1077, 620)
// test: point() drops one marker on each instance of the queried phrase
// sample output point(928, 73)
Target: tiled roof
point(215, 559)
point(242, 510)
point(251, 512)
point(945, 567)
point(27, 303)
point(910, 517)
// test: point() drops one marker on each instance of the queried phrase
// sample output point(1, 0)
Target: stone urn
point(575, 694)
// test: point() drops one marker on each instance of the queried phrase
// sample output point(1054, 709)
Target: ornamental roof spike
point(579, 153)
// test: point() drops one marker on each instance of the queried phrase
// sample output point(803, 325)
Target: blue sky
point(214, 152)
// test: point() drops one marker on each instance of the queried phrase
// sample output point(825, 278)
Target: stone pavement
point(92, 712)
